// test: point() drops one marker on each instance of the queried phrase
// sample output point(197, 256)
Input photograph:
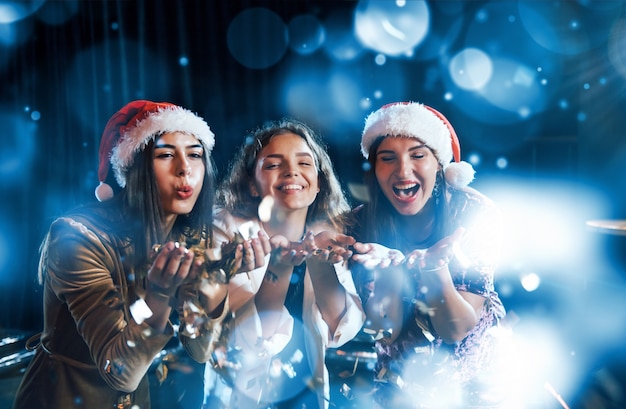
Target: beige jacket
point(91, 352)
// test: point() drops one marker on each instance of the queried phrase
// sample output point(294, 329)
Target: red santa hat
point(415, 120)
point(131, 128)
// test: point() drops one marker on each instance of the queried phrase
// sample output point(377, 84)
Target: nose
point(291, 169)
point(184, 167)
point(404, 168)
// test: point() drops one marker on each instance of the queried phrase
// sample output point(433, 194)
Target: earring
point(436, 191)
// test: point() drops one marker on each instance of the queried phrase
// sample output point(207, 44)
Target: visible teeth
point(292, 187)
point(406, 190)
point(406, 186)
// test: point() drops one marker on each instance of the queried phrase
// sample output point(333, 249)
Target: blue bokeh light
point(306, 34)
point(257, 38)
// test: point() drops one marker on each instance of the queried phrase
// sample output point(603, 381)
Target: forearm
point(453, 317)
point(270, 299)
point(330, 296)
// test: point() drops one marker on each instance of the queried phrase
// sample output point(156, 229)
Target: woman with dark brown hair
point(429, 245)
point(108, 294)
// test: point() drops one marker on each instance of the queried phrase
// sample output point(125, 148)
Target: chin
point(178, 211)
point(408, 210)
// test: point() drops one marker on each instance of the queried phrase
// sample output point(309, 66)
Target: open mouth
point(406, 191)
point(291, 187)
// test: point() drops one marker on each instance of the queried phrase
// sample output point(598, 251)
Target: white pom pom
point(459, 174)
point(104, 192)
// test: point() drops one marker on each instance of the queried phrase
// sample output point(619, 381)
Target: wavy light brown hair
point(234, 194)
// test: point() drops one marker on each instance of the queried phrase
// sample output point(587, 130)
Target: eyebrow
point(280, 155)
point(413, 148)
point(170, 146)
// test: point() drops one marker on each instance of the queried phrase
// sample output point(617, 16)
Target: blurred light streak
point(617, 46)
point(389, 27)
point(556, 395)
point(5, 233)
point(257, 38)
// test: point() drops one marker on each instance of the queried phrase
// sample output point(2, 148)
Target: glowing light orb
point(530, 282)
point(471, 69)
point(391, 28)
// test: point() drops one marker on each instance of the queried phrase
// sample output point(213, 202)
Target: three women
point(427, 242)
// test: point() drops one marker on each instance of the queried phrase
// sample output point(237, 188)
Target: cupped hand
point(438, 255)
point(172, 266)
point(374, 255)
point(250, 255)
point(287, 252)
point(328, 246)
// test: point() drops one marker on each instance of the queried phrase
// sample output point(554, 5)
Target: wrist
point(433, 269)
point(161, 291)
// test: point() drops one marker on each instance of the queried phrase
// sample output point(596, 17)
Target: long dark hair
point(234, 194)
point(379, 221)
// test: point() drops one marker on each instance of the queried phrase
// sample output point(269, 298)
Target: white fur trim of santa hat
point(415, 120)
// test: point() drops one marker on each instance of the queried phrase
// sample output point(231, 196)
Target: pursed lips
point(184, 192)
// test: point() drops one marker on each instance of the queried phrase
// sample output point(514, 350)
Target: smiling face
point(286, 170)
point(179, 169)
point(406, 171)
